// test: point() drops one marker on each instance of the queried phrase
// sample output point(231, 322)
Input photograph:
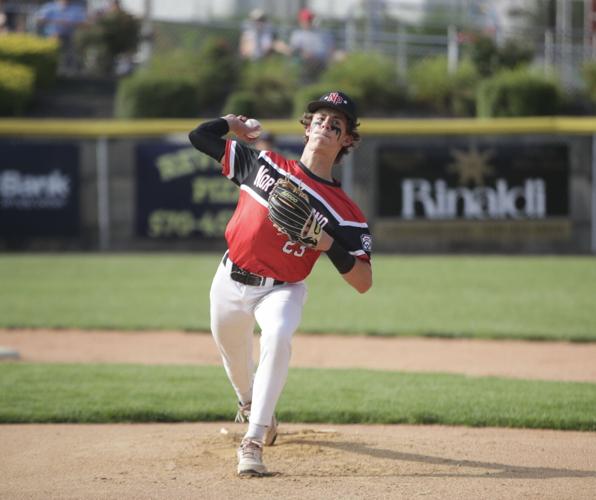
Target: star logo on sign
point(471, 166)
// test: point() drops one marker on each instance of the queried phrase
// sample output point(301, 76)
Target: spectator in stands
point(13, 17)
point(311, 45)
point(60, 19)
point(3, 23)
point(258, 38)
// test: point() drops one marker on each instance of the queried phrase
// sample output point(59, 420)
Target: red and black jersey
point(254, 243)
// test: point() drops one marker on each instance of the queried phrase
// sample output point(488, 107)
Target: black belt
point(247, 278)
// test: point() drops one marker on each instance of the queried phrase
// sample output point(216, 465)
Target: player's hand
point(238, 127)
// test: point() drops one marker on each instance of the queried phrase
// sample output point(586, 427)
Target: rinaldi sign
point(462, 181)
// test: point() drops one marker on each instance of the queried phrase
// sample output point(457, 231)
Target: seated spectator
point(3, 22)
point(60, 18)
point(257, 39)
point(311, 45)
point(7, 18)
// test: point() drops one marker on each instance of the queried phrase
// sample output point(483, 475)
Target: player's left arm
point(356, 272)
point(208, 136)
point(237, 159)
point(360, 276)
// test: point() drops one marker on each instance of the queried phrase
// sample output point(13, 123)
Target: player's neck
point(319, 164)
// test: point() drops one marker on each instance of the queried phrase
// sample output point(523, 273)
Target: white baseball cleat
point(250, 458)
point(243, 415)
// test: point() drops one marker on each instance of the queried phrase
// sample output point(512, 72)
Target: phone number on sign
point(181, 224)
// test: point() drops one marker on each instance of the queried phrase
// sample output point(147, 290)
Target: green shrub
point(266, 88)
point(514, 54)
point(144, 95)
point(179, 62)
point(374, 75)
point(41, 54)
point(518, 93)
point(485, 56)
point(490, 58)
point(242, 102)
point(213, 69)
point(112, 35)
point(269, 104)
point(16, 87)
point(181, 84)
point(589, 76)
point(216, 73)
point(316, 90)
point(432, 86)
point(270, 72)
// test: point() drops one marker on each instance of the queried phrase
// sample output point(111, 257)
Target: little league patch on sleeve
point(366, 242)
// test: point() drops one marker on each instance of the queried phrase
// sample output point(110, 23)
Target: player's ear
point(347, 141)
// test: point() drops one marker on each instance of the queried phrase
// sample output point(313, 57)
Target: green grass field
point(464, 296)
point(134, 393)
point(455, 296)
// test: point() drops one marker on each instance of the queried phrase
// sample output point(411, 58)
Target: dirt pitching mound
point(177, 461)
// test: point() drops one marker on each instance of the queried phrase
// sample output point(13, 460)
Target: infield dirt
point(197, 460)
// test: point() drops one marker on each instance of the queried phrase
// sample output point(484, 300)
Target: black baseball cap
point(336, 100)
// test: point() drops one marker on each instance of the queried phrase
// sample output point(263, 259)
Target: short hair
point(306, 120)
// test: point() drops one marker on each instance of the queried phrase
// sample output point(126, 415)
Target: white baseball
point(252, 123)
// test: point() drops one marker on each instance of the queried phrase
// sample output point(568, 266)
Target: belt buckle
point(239, 275)
point(245, 277)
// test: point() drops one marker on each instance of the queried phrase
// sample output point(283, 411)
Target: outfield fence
point(521, 185)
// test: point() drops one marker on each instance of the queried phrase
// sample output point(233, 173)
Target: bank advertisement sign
point(39, 189)
point(472, 182)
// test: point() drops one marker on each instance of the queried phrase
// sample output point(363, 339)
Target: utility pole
point(589, 29)
point(564, 40)
point(146, 45)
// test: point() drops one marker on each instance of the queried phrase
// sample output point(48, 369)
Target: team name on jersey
point(321, 219)
point(263, 180)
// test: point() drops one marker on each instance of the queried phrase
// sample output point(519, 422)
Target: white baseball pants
point(235, 308)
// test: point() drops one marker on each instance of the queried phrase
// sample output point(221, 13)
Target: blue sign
point(181, 193)
point(39, 189)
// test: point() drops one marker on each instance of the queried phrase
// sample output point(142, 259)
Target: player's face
point(329, 128)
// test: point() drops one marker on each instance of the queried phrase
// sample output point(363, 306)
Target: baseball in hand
point(252, 123)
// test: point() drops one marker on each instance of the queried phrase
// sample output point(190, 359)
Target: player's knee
point(278, 343)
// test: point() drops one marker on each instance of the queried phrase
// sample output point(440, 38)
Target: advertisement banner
point(473, 182)
point(39, 189)
point(181, 192)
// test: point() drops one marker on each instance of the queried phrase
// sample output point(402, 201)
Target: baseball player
point(261, 276)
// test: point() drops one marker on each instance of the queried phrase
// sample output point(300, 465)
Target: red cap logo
point(335, 98)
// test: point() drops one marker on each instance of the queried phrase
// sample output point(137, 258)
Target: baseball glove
point(291, 213)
